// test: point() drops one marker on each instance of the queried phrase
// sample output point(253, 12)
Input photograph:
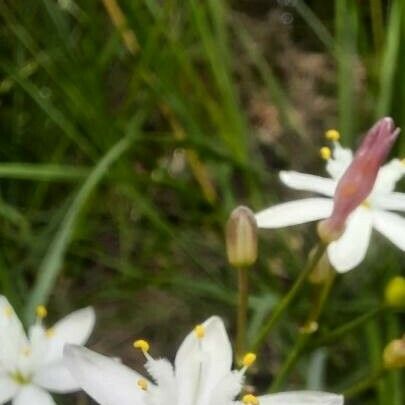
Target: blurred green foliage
point(123, 149)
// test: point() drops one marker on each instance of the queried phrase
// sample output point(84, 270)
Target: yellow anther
point(199, 331)
point(8, 312)
point(403, 161)
point(50, 332)
point(325, 153)
point(141, 344)
point(332, 135)
point(248, 359)
point(41, 311)
point(142, 384)
point(395, 292)
point(26, 351)
point(250, 399)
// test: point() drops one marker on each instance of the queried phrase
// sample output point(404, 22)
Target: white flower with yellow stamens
point(31, 366)
point(350, 249)
point(202, 375)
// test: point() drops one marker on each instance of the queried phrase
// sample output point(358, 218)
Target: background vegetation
point(124, 150)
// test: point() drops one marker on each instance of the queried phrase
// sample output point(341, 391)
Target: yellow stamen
point(365, 204)
point(248, 359)
point(250, 399)
point(141, 344)
point(26, 351)
point(325, 153)
point(41, 311)
point(199, 331)
point(50, 332)
point(142, 384)
point(332, 135)
point(8, 312)
point(403, 161)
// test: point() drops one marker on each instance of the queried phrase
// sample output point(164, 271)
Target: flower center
point(20, 378)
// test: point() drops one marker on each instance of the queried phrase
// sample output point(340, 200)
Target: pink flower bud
point(359, 178)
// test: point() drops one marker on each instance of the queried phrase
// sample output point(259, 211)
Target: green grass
point(118, 170)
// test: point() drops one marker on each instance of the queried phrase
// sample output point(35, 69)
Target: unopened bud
point(359, 178)
point(323, 270)
point(394, 354)
point(241, 237)
point(395, 292)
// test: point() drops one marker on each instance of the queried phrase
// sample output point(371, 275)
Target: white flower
point(201, 375)
point(348, 251)
point(31, 366)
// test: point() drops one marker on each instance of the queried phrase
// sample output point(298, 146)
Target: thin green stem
point(347, 328)
point(377, 23)
point(364, 384)
point(284, 303)
point(310, 326)
point(243, 287)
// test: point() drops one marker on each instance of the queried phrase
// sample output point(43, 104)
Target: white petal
point(392, 201)
point(351, 248)
point(392, 226)
point(340, 161)
point(31, 395)
point(301, 398)
point(308, 182)
point(388, 176)
point(56, 378)
point(8, 388)
point(75, 328)
point(12, 335)
point(106, 380)
point(295, 212)
point(201, 363)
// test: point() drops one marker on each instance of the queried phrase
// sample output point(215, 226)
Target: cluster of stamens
point(331, 135)
point(199, 332)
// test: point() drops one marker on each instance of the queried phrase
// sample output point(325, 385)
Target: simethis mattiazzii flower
point(350, 248)
point(201, 375)
point(32, 365)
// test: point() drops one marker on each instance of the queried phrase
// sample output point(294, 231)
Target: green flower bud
point(394, 354)
point(395, 292)
point(241, 237)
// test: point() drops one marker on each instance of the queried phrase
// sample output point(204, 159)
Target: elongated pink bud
point(359, 178)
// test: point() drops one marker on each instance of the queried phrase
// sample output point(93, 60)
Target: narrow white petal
point(392, 226)
point(201, 363)
point(388, 176)
point(31, 395)
point(308, 182)
point(106, 380)
point(392, 201)
point(8, 388)
point(56, 378)
point(349, 251)
point(301, 398)
point(12, 335)
point(340, 161)
point(75, 328)
point(295, 212)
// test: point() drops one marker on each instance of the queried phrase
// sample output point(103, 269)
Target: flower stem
point(365, 383)
point(310, 326)
point(347, 328)
point(288, 298)
point(243, 287)
point(377, 23)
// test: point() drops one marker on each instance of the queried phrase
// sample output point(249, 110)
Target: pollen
point(142, 384)
point(332, 135)
point(199, 331)
point(142, 345)
point(325, 153)
point(248, 359)
point(8, 312)
point(41, 311)
point(50, 332)
point(250, 399)
point(26, 351)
